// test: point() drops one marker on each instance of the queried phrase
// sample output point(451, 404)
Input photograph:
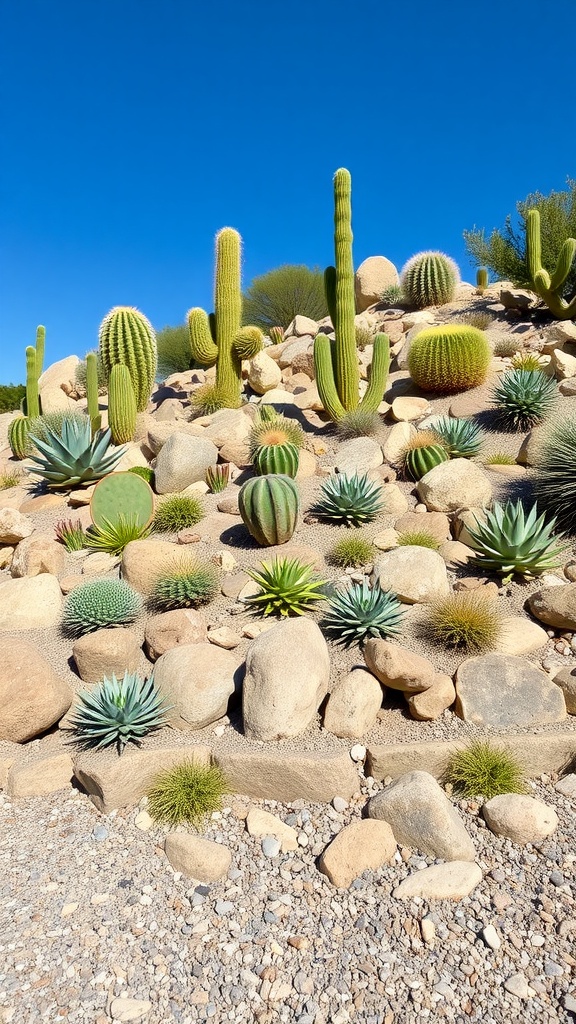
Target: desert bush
point(351, 551)
point(174, 352)
point(467, 620)
point(555, 478)
point(11, 396)
point(187, 794)
point(484, 770)
point(275, 298)
point(177, 512)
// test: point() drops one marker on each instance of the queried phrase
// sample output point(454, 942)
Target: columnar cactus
point(481, 279)
point(269, 507)
point(92, 392)
point(121, 404)
point(549, 286)
point(127, 337)
point(429, 279)
point(31, 406)
point(336, 363)
point(220, 339)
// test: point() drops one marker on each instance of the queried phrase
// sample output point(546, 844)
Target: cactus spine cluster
point(18, 430)
point(127, 337)
point(448, 358)
point(336, 363)
point(429, 279)
point(269, 507)
point(549, 286)
point(121, 404)
point(220, 339)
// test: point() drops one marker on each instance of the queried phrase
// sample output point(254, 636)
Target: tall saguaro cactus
point(549, 286)
point(336, 363)
point(127, 336)
point(31, 406)
point(220, 339)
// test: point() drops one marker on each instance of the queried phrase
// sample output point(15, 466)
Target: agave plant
point(73, 458)
point(555, 480)
point(511, 541)
point(522, 398)
point(119, 711)
point(353, 500)
point(114, 536)
point(287, 587)
point(462, 438)
point(359, 612)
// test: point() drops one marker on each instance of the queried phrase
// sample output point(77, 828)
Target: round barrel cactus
point(276, 458)
point(127, 337)
point(419, 461)
point(269, 507)
point(429, 279)
point(18, 436)
point(449, 358)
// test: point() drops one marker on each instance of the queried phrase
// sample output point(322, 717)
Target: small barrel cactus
point(126, 336)
point(425, 452)
point(448, 358)
point(276, 458)
point(269, 507)
point(429, 279)
point(18, 436)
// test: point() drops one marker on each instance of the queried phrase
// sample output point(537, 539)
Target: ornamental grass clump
point(188, 583)
point(512, 542)
point(287, 587)
point(465, 620)
point(113, 536)
point(97, 604)
point(353, 500)
point(482, 769)
point(118, 711)
point(555, 478)
point(360, 612)
point(417, 539)
point(358, 423)
point(523, 398)
point(71, 534)
point(178, 512)
point(187, 794)
point(351, 552)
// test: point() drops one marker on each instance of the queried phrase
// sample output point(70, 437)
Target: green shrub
point(555, 478)
point(206, 400)
point(287, 587)
point(523, 398)
point(361, 611)
point(174, 352)
point(113, 536)
point(187, 794)
point(358, 423)
point(11, 396)
point(417, 539)
point(71, 534)
point(499, 459)
point(392, 295)
point(363, 336)
point(504, 251)
point(11, 478)
point(527, 361)
point(187, 584)
point(275, 298)
point(468, 620)
point(145, 472)
point(118, 711)
point(482, 769)
point(178, 512)
point(352, 500)
point(97, 604)
point(351, 551)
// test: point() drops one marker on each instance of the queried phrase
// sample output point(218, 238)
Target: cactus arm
point(347, 372)
point(40, 342)
point(32, 399)
point(325, 382)
point(564, 264)
point(533, 244)
point(549, 287)
point(121, 404)
point(204, 350)
point(248, 342)
point(378, 373)
point(92, 392)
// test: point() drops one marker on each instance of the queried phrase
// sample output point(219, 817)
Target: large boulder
point(365, 845)
point(263, 373)
point(172, 629)
point(229, 430)
point(32, 697)
point(144, 561)
point(33, 602)
point(57, 374)
point(523, 819)
point(353, 705)
point(183, 460)
point(358, 455)
point(397, 667)
point(282, 692)
point(415, 574)
point(556, 606)
point(14, 527)
point(422, 816)
point(198, 681)
point(37, 554)
point(453, 485)
point(496, 691)
point(107, 652)
point(374, 275)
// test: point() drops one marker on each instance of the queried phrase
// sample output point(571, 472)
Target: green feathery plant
point(178, 512)
point(523, 398)
point(145, 472)
point(71, 534)
point(527, 361)
point(351, 552)
point(114, 536)
point(482, 769)
point(10, 479)
point(360, 612)
point(417, 539)
point(97, 604)
point(391, 295)
point(287, 587)
point(462, 438)
point(187, 794)
point(206, 400)
point(512, 542)
point(358, 423)
point(353, 500)
point(117, 712)
point(189, 583)
point(466, 620)
point(555, 479)
point(500, 459)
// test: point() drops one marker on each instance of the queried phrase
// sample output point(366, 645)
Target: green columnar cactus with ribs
point(121, 404)
point(92, 392)
point(126, 336)
point(31, 406)
point(549, 286)
point(336, 363)
point(220, 340)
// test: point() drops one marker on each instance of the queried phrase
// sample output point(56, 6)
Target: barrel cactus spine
point(429, 279)
point(127, 336)
point(336, 363)
point(220, 340)
point(276, 458)
point(449, 358)
point(549, 286)
point(269, 507)
point(121, 404)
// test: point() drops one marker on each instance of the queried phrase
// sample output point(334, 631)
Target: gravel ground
point(92, 911)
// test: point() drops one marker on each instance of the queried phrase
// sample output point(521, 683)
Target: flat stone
point(224, 637)
point(416, 575)
point(498, 691)
point(386, 539)
point(520, 636)
point(261, 823)
point(33, 602)
point(365, 845)
point(196, 857)
point(407, 408)
point(567, 786)
point(40, 776)
point(99, 563)
point(276, 774)
point(555, 606)
point(451, 881)
point(522, 819)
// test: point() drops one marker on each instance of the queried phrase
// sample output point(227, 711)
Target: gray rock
point(453, 485)
point(556, 606)
point(417, 575)
point(566, 680)
point(183, 460)
point(358, 455)
point(451, 881)
point(499, 690)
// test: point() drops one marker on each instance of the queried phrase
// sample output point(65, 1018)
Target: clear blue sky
point(133, 129)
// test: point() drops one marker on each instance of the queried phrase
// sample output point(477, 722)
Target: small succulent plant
point(462, 438)
point(353, 500)
point(511, 541)
point(351, 551)
point(72, 458)
point(360, 612)
point(481, 769)
point(118, 711)
point(178, 512)
point(114, 536)
point(417, 539)
point(523, 398)
point(525, 360)
point(555, 479)
point(218, 477)
point(423, 452)
point(189, 583)
point(287, 587)
point(70, 534)
point(466, 620)
point(188, 793)
point(97, 604)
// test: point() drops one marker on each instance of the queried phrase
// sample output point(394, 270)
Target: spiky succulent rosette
point(462, 438)
point(523, 398)
point(287, 587)
point(98, 604)
point(72, 458)
point(360, 612)
point(512, 541)
point(119, 711)
point(353, 500)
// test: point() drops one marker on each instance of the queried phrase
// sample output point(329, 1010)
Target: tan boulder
point(33, 602)
point(32, 697)
point(61, 372)
point(38, 776)
point(229, 430)
point(428, 705)
point(397, 440)
point(196, 857)
point(106, 652)
point(415, 574)
point(522, 819)
point(451, 881)
point(183, 460)
point(365, 845)
point(172, 629)
point(14, 526)
point(407, 408)
point(261, 823)
point(198, 681)
point(454, 485)
point(353, 705)
point(144, 561)
point(38, 554)
point(112, 782)
point(397, 667)
point(263, 373)
point(374, 275)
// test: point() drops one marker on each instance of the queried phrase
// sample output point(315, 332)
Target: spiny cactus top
point(127, 336)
